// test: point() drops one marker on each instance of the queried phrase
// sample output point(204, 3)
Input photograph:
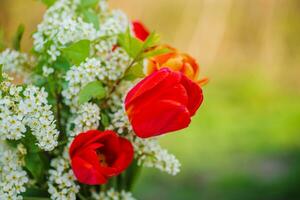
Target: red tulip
point(97, 156)
point(163, 102)
point(140, 30)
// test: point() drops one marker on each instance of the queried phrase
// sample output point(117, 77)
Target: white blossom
point(87, 118)
point(21, 108)
point(61, 182)
point(150, 154)
point(12, 177)
point(15, 62)
point(61, 25)
point(112, 194)
point(47, 71)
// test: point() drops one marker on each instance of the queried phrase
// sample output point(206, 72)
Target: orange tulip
point(176, 61)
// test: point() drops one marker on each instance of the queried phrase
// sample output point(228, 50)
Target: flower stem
point(132, 175)
point(81, 197)
point(119, 182)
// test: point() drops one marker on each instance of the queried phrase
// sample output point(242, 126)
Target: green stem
point(80, 196)
point(119, 182)
point(132, 175)
point(1, 76)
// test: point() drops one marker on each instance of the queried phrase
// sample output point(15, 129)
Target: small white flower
point(47, 71)
point(112, 194)
point(150, 154)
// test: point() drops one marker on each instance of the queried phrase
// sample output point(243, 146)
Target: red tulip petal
point(162, 117)
point(140, 30)
point(195, 94)
point(126, 155)
point(160, 84)
point(146, 84)
point(86, 173)
point(85, 139)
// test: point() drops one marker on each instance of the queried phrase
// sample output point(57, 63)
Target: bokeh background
point(244, 142)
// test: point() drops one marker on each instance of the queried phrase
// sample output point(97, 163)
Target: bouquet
point(97, 90)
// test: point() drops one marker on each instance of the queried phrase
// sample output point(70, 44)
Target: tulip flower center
point(102, 159)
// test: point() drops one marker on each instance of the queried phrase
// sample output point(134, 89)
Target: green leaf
point(48, 3)
point(77, 52)
point(18, 37)
point(61, 64)
point(88, 3)
point(35, 165)
point(105, 121)
point(134, 72)
point(30, 141)
point(155, 52)
point(135, 47)
point(152, 40)
point(91, 16)
point(13, 143)
point(130, 44)
point(91, 90)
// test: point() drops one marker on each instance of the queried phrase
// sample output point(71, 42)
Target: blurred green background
point(244, 142)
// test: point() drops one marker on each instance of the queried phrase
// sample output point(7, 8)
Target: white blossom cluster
point(78, 77)
point(21, 108)
point(88, 117)
point(15, 62)
point(12, 177)
point(149, 153)
point(61, 182)
point(60, 26)
point(93, 69)
point(115, 23)
point(119, 119)
point(111, 194)
point(119, 122)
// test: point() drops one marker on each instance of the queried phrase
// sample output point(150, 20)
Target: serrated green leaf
point(124, 40)
point(18, 37)
point(88, 3)
point(91, 90)
point(91, 16)
point(48, 3)
point(155, 52)
point(134, 72)
point(152, 40)
point(77, 52)
point(130, 44)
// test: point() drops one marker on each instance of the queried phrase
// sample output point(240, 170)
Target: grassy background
point(244, 142)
